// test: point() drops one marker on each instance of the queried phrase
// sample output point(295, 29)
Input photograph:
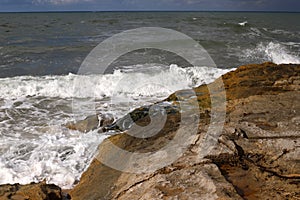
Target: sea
point(41, 54)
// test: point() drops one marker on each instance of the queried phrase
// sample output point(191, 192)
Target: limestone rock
point(33, 191)
point(256, 156)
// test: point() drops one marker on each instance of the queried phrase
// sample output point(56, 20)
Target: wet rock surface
point(99, 121)
point(255, 156)
point(33, 191)
point(128, 120)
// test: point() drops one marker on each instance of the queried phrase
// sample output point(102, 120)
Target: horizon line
point(98, 11)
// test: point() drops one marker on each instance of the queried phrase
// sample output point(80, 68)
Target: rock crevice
point(255, 157)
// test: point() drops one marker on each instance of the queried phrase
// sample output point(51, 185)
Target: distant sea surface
point(56, 43)
point(40, 54)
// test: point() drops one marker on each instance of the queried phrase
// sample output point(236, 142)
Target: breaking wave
point(161, 82)
point(275, 52)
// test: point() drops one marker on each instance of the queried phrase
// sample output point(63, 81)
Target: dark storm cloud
point(236, 5)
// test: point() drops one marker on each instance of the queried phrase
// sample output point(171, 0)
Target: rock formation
point(90, 123)
point(33, 191)
point(255, 156)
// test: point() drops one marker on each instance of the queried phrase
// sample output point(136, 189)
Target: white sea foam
point(35, 146)
point(272, 51)
point(255, 32)
point(33, 143)
point(161, 82)
point(293, 44)
point(243, 23)
point(57, 155)
point(280, 32)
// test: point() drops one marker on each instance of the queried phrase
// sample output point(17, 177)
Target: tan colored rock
point(255, 157)
point(86, 125)
point(33, 191)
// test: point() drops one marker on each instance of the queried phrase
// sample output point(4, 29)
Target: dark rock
point(91, 123)
point(138, 114)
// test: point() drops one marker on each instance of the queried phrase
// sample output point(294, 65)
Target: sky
point(135, 5)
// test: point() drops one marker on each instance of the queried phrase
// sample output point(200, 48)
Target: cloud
point(225, 5)
point(60, 2)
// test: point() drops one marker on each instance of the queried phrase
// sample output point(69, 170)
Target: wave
point(33, 144)
point(243, 23)
point(275, 52)
point(59, 157)
point(121, 82)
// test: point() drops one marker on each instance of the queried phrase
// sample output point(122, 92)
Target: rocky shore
point(32, 191)
point(256, 156)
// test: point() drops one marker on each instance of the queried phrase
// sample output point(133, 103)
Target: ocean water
point(40, 54)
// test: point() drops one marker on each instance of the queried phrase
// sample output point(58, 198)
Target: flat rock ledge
point(255, 156)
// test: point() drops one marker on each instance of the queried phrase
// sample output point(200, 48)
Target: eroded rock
point(256, 156)
point(33, 191)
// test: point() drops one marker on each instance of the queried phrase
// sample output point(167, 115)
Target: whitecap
point(272, 51)
point(58, 157)
point(243, 23)
point(121, 82)
point(44, 149)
